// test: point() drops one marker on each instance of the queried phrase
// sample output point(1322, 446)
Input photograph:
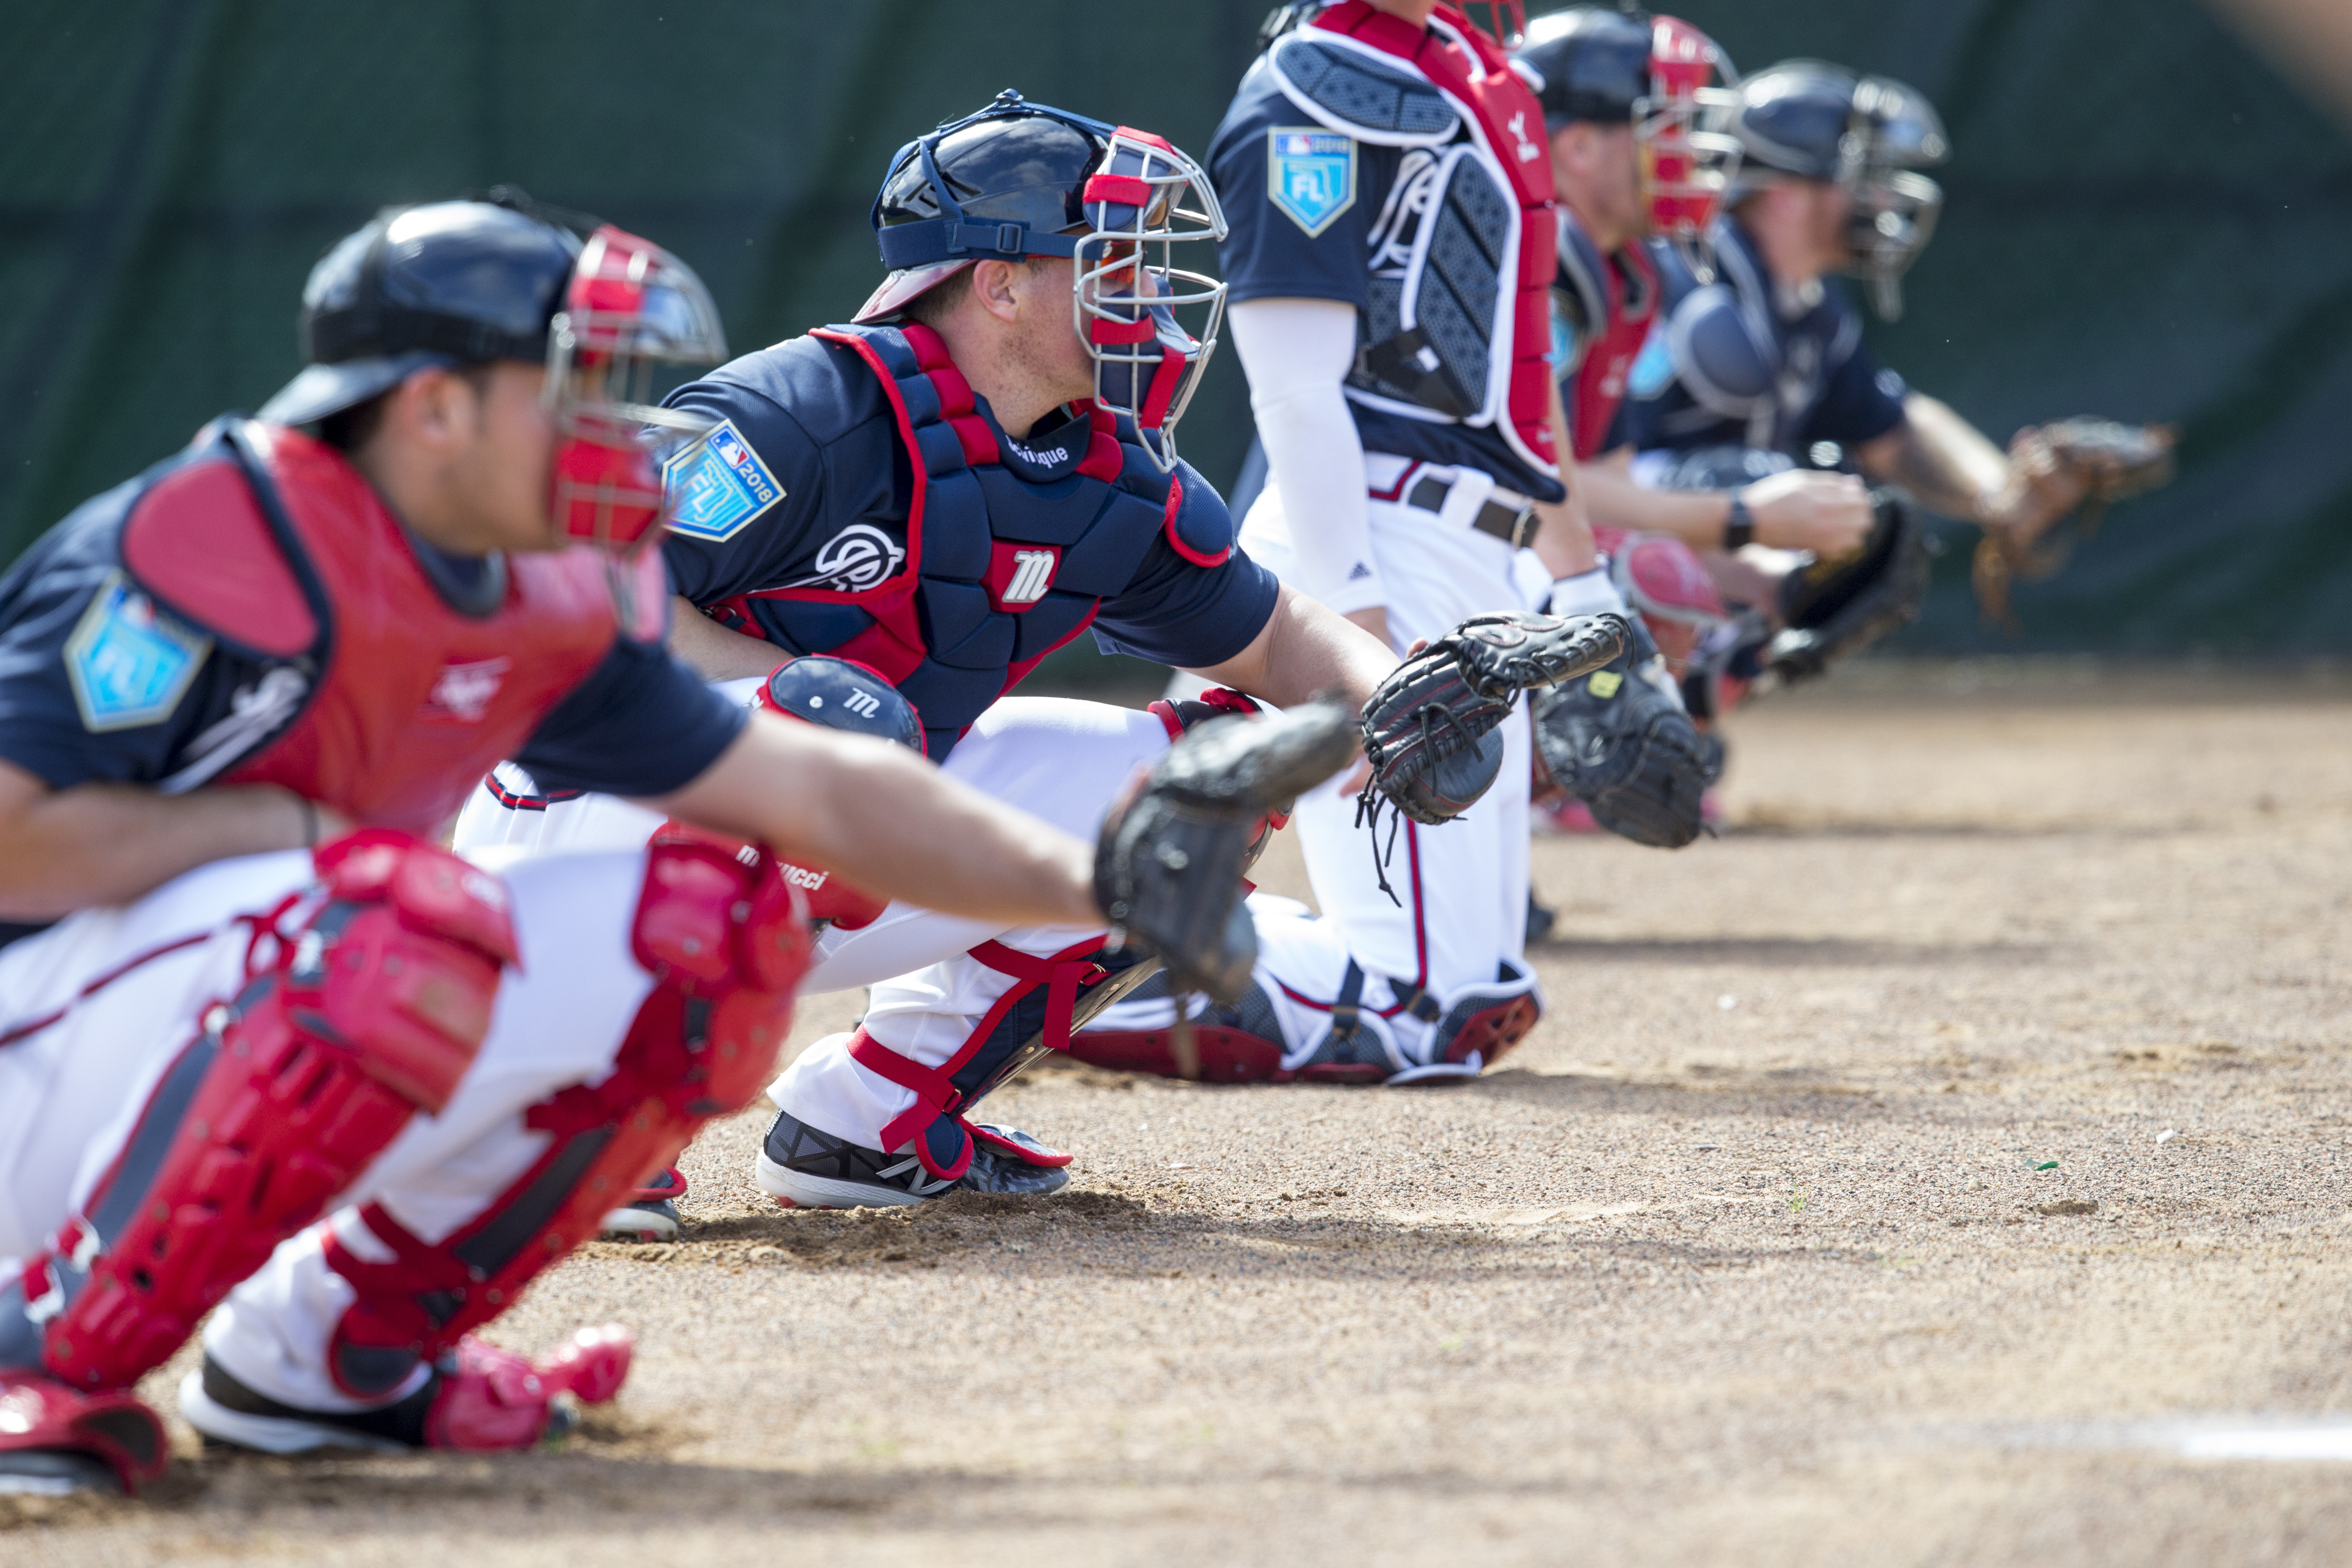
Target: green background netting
point(2145, 221)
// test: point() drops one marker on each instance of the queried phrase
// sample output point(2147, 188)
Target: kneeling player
point(239, 696)
point(943, 492)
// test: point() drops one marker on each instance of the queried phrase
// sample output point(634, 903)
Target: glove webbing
point(1369, 800)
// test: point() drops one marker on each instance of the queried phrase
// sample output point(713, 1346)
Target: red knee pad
point(727, 940)
point(369, 1011)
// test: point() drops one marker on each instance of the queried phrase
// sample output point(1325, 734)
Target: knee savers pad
point(727, 940)
point(366, 1011)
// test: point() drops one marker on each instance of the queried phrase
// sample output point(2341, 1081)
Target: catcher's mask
point(1019, 180)
point(629, 308)
point(1869, 136)
point(450, 284)
point(1663, 76)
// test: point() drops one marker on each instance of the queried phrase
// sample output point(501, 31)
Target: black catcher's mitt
point(1618, 742)
point(2098, 461)
point(1168, 867)
point(1832, 608)
point(1428, 727)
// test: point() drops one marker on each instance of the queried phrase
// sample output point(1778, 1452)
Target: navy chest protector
point(999, 570)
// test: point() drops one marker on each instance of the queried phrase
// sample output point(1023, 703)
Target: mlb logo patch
point(1020, 574)
point(128, 662)
point(716, 486)
point(1310, 174)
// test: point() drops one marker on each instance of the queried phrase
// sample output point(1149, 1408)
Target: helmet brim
point(324, 389)
point(904, 286)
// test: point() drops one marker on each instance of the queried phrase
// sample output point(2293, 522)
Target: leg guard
point(1241, 1044)
point(359, 1013)
point(727, 942)
point(1484, 1022)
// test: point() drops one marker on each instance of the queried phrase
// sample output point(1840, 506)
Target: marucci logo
point(1020, 574)
point(1033, 571)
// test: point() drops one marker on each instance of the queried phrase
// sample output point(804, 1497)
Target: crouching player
point(932, 498)
point(239, 696)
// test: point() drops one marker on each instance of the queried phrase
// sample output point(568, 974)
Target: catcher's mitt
point(1168, 867)
point(1426, 727)
point(2084, 464)
point(1832, 608)
point(1622, 744)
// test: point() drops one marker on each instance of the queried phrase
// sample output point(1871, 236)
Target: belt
point(1511, 524)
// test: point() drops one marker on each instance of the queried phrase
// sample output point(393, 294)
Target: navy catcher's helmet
point(1870, 134)
point(466, 282)
point(1662, 76)
point(448, 283)
point(1020, 180)
point(1591, 64)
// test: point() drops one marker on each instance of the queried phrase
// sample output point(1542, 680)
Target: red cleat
point(480, 1399)
point(55, 1439)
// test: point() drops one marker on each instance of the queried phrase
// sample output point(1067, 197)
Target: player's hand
point(1829, 514)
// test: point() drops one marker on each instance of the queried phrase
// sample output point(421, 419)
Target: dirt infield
point(1944, 1166)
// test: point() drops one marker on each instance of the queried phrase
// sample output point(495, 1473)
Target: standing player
point(980, 469)
point(238, 695)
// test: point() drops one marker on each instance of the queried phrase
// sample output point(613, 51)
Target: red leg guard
point(728, 942)
point(1219, 1055)
point(113, 1426)
point(369, 1010)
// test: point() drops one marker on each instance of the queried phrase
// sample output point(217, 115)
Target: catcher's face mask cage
point(1148, 323)
point(631, 311)
point(1891, 132)
point(1687, 161)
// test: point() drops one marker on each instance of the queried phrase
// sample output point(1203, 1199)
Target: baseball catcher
point(274, 1056)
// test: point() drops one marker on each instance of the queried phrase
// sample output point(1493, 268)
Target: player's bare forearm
point(1563, 540)
point(716, 653)
point(1943, 461)
point(98, 845)
point(1611, 500)
point(1305, 650)
point(890, 823)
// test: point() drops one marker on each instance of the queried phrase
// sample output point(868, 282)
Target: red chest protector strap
point(943, 1141)
point(1476, 75)
point(1597, 389)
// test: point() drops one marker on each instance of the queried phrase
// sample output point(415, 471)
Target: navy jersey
point(1313, 213)
point(1742, 362)
point(100, 684)
point(793, 522)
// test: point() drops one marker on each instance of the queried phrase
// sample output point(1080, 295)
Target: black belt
point(1511, 524)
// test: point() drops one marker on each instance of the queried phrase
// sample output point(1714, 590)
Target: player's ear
point(997, 286)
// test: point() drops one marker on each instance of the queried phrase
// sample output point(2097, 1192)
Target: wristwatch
point(1739, 528)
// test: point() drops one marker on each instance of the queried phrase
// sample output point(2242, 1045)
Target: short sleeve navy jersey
point(1308, 233)
point(641, 724)
point(1822, 383)
point(823, 504)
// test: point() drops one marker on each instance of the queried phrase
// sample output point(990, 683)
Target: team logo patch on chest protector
point(859, 557)
point(1020, 574)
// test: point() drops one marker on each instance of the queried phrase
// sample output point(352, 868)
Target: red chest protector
point(400, 703)
point(1476, 75)
point(1611, 301)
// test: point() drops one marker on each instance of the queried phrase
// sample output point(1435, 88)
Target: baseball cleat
point(651, 1213)
point(802, 1168)
point(477, 1398)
